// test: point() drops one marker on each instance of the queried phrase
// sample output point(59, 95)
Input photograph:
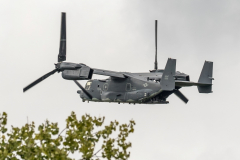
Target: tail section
point(167, 82)
point(206, 78)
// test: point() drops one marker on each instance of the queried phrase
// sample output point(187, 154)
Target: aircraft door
point(128, 87)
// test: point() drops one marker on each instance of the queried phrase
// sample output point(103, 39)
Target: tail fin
point(167, 82)
point(206, 78)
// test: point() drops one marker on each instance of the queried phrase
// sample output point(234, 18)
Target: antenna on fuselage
point(155, 63)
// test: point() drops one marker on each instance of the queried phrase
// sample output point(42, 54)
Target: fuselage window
point(105, 87)
point(128, 87)
point(88, 85)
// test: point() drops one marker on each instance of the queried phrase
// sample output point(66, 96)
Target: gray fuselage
point(139, 88)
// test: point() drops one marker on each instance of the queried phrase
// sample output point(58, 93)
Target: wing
point(108, 73)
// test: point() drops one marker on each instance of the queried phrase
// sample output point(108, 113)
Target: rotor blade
point(156, 64)
point(181, 96)
point(80, 86)
point(62, 48)
point(39, 80)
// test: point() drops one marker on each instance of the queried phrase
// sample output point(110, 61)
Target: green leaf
point(81, 135)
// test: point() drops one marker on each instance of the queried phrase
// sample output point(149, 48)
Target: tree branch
point(61, 132)
point(97, 152)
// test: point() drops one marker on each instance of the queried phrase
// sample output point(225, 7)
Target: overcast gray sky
point(119, 35)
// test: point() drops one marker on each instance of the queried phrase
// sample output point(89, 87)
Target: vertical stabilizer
point(167, 82)
point(206, 77)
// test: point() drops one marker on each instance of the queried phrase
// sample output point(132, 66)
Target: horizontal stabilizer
point(188, 84)
point(167, 82)
point(205, 89)
point(204, 83)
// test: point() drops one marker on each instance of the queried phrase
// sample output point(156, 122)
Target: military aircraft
point(152, 87)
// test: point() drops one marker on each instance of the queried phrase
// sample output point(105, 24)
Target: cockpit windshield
point(88, 85)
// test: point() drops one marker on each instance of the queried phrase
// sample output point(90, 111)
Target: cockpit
point(88, 85)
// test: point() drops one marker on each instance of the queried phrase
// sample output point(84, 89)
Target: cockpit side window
point(88, 85)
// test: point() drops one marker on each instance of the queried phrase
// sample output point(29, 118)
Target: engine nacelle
point(83, 73)
point(70, 66)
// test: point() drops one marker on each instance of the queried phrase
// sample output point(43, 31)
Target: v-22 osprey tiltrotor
point(152, 87)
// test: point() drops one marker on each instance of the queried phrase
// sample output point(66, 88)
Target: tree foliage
point(81, 136)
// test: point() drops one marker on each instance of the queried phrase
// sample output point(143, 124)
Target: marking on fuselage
point(145, 85)
point(133, 88)
point(166, 77)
